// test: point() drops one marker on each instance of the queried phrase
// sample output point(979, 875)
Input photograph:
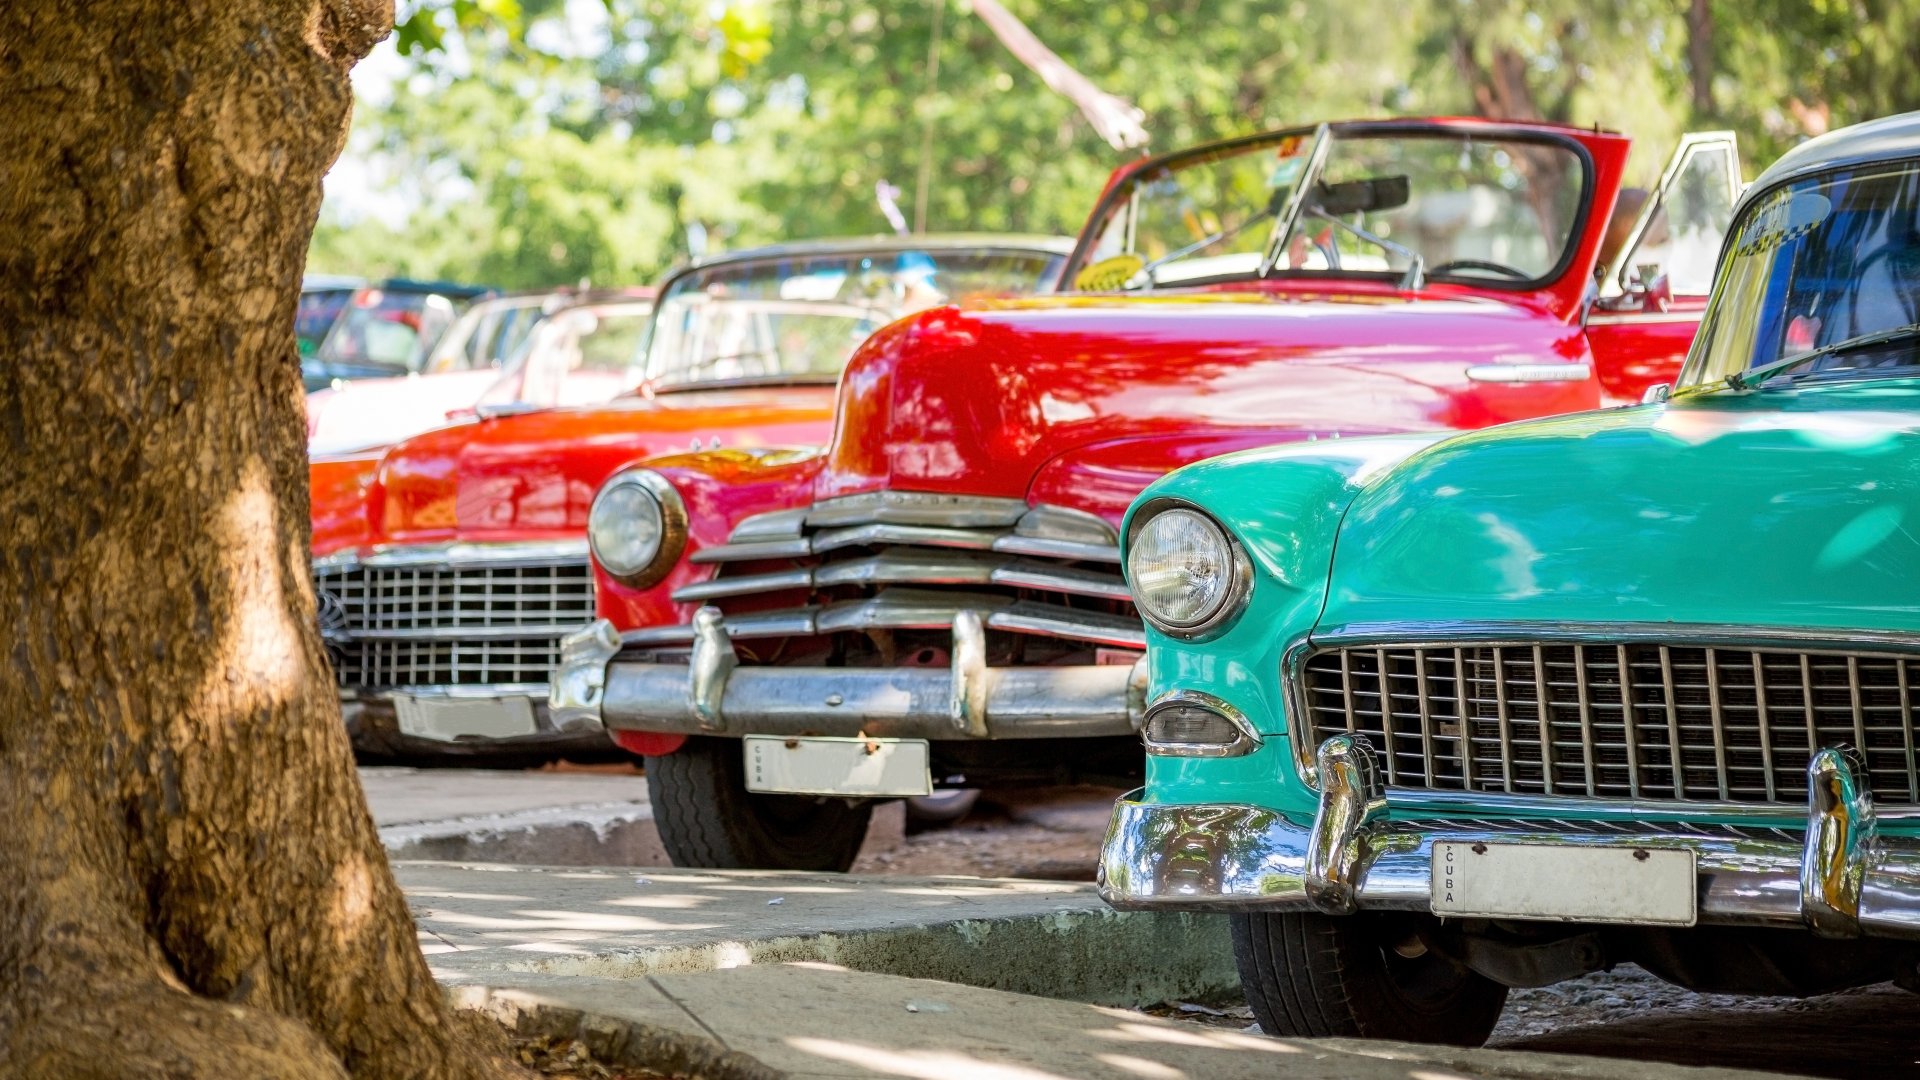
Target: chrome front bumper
point(1839, 876)
point(712, 695)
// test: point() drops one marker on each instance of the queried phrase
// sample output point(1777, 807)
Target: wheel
point(1358, 976)
point(940, 809)
point(708, 819)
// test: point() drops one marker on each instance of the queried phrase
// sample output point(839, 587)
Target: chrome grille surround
point(924, 558)
point(1690, 686)
point(452, 616)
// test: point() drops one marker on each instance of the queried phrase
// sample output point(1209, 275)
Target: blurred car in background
point(934, 599)
point(449, 568)
point(322, 298)
point(491, 356)
point(383, 330)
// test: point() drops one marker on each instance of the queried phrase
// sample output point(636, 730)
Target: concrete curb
point(1100, 957)
point(1048, 939)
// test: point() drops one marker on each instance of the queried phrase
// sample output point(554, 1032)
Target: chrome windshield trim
point(455, 555)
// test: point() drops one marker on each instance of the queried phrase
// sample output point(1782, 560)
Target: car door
point(1653, 290)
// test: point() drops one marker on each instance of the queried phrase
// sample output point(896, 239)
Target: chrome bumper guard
point(713, 695)
point(1841, 878)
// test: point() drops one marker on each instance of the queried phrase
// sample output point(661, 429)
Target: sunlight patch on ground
point(918, 1064)
point(1137, 1032)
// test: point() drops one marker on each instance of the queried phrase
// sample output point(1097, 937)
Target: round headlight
point(636, 527)
point(1184, 571)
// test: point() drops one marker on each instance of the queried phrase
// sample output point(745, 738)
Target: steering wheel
point(1480, 264)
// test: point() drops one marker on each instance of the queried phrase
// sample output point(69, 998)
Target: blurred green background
point(525, 144)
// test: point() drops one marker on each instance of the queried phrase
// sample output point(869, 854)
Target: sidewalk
point(825, 977)
point(817, 1022)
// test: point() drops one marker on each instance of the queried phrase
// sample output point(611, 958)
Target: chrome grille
point(472, 615)
point(1636, 720)
point(912, 560)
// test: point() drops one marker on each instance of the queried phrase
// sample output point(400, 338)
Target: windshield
point(1814, 265)
point(799, 318)
point(1465, 207)
point(577, 356)
point(387, 329)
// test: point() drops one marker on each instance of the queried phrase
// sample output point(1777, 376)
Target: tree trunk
point(1700, 56)
point(190, 883)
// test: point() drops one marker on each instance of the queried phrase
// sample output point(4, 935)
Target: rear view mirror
point(1373, 194)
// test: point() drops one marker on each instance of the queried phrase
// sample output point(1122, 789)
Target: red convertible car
point(448, 569)
point(934, 599)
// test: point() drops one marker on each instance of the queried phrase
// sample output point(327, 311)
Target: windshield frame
point(1126, 189)
point(1754, 201)
point(653, 383)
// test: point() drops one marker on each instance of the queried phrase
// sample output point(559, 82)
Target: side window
point(1679, 232)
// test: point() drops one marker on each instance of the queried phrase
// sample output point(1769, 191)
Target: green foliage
point(748, 121)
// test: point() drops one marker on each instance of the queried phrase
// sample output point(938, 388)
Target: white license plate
point(447, 719)
point(826, 766)
point(1653, 886)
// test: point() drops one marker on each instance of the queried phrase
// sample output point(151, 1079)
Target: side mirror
point(1657, 394)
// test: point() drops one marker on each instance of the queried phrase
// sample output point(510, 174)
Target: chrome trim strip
point(455, 556)
point(1408, 635)
point(1057, 549)
point(889, 507)
point(1246, 739)
point(1522, 374)
point(1065, 579)
point(773, 525)
point(927, 535)
point(454, 692)
point(496, 632)
point(759, 549)
point(908, 609)
point(746, 585)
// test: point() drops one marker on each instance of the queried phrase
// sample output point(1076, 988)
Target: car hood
point(533, 475)
point(1782, 509)
point(367, 413)
point(979, 400)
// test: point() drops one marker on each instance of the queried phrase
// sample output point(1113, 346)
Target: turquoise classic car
point(1435, 717)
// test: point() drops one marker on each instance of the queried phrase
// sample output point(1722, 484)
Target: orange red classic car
point(933, 598)
point(448, 567)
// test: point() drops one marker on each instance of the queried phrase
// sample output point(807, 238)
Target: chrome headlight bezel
point(1233, 599)
point(672, 527)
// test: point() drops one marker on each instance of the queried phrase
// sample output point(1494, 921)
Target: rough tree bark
point(190, 884)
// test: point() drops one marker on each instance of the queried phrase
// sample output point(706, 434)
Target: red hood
point(532, 476)
point(983, 400)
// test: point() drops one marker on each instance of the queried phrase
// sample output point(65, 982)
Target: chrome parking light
point(1189, 723)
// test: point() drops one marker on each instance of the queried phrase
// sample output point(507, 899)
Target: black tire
point(709, 820)
point(940, 810)
point(1322, 976)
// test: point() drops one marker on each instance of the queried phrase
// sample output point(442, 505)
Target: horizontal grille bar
point(1631, 721)
point(407, 623)
point(368, 665)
